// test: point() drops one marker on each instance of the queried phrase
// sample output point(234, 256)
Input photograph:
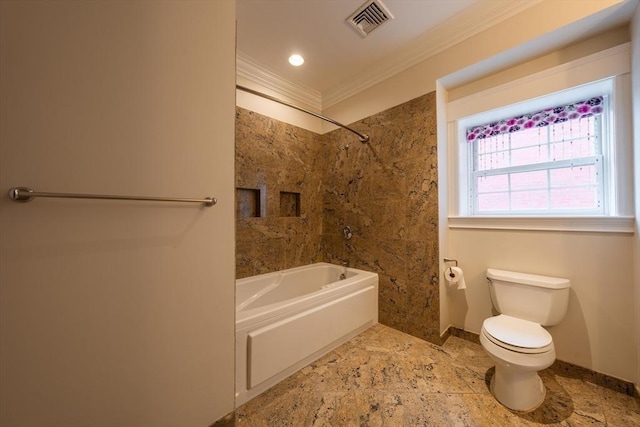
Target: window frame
point(609, 67)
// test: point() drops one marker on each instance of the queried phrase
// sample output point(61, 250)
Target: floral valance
point(576, 110)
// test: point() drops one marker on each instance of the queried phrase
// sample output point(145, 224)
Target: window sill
point(597, 224)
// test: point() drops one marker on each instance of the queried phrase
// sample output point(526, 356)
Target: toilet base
point(516, 389)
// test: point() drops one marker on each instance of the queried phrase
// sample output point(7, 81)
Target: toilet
point(516, 340)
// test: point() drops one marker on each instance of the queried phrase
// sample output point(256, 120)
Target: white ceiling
point(336, 56)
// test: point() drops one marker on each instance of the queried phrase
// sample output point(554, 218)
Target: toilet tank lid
point(528, 279)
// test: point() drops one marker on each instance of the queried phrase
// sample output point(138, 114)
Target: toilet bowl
point(516, 340)
point(519, 349)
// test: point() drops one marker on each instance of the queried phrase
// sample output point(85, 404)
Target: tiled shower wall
point(386, 191)
point(278, 161)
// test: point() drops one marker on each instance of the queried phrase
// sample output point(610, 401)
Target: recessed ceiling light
point(296, 60)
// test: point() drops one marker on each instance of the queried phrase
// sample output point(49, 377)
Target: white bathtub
point(287, 319)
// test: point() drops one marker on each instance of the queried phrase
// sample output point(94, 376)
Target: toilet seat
point(517, 335)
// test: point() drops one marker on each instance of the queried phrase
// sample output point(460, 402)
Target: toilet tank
point(540, 299)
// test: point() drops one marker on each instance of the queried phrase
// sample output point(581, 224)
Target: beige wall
point(602, 41)
point(601, 311)
point(117, 313)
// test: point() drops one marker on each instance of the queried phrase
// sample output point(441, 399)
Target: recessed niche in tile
point(289, 204)
point(247, 203)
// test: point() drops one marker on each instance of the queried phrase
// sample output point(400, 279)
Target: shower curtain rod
point(363, 137)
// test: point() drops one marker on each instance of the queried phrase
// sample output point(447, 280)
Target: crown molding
point(248, 68)
point(462, 26)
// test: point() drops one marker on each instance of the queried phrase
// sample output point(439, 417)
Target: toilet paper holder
point(446, 260)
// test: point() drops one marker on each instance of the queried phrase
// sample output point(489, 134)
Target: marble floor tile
point(384, 377)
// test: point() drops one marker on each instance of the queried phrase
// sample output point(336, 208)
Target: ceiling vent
point(369, 16)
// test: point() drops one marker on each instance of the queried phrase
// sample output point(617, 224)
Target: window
point(551, 150)
point(542, 162)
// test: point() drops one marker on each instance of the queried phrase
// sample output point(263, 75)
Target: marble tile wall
point(386, 191)
point(275, 157)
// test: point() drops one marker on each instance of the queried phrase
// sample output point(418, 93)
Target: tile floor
point(384, 377)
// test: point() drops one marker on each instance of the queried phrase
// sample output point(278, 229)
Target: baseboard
point(445, 335)
point(570, 370)
point(566, 369)
point(465, 335)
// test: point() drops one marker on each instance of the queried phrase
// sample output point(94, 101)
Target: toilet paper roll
point(454, 275)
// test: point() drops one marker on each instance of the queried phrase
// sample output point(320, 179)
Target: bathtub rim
point(247, 318)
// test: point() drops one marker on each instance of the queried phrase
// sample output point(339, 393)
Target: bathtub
point(287, 319)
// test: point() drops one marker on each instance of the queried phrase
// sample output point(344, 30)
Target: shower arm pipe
point(363, 137)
